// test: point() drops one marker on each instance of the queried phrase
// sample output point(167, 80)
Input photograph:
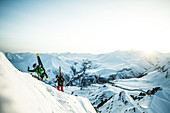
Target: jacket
point(60, 80)
point(39, 70)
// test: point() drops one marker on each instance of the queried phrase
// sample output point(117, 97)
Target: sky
point(84, 26)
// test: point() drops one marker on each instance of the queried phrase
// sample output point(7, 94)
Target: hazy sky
point(84, 26)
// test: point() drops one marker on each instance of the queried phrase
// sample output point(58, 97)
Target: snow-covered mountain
point(118, 82)
point(110, 66)
point(149, 94)
point(119, 64)
point(21, 93)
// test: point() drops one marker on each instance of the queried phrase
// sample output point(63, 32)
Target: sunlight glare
point(149, 52)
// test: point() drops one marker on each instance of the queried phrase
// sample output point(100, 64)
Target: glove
point(48, 79)
point(28, 68)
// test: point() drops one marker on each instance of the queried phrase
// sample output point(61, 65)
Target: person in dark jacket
point(39, 70)
point(60, 80)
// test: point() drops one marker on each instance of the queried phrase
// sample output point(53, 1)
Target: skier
point(39, 70)
point(60, 80)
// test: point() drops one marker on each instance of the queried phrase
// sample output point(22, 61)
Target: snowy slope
point(149, 94)
point(21, 93)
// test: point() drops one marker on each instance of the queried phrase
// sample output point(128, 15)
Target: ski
point(40, 63)
point(60, 70)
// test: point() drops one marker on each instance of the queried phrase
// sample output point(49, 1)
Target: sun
point(149, 52)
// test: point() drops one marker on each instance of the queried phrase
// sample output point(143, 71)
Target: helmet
point(56, 76)
point(34, 65)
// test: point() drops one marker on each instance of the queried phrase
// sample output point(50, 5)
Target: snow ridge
point(21, 93)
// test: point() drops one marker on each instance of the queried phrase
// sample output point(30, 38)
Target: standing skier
point(39, 70)
point(60, 80)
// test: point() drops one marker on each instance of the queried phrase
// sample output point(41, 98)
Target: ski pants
point(58, 88)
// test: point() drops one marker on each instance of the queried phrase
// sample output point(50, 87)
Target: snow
point(116, 96)
point(159, 104)
point(107, 64)
point(21, 93)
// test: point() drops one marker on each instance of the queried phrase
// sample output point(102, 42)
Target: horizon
point(150, 53)
point(94, 27)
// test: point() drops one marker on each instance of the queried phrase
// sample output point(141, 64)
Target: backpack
point(40, 70)
point(60, 81)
